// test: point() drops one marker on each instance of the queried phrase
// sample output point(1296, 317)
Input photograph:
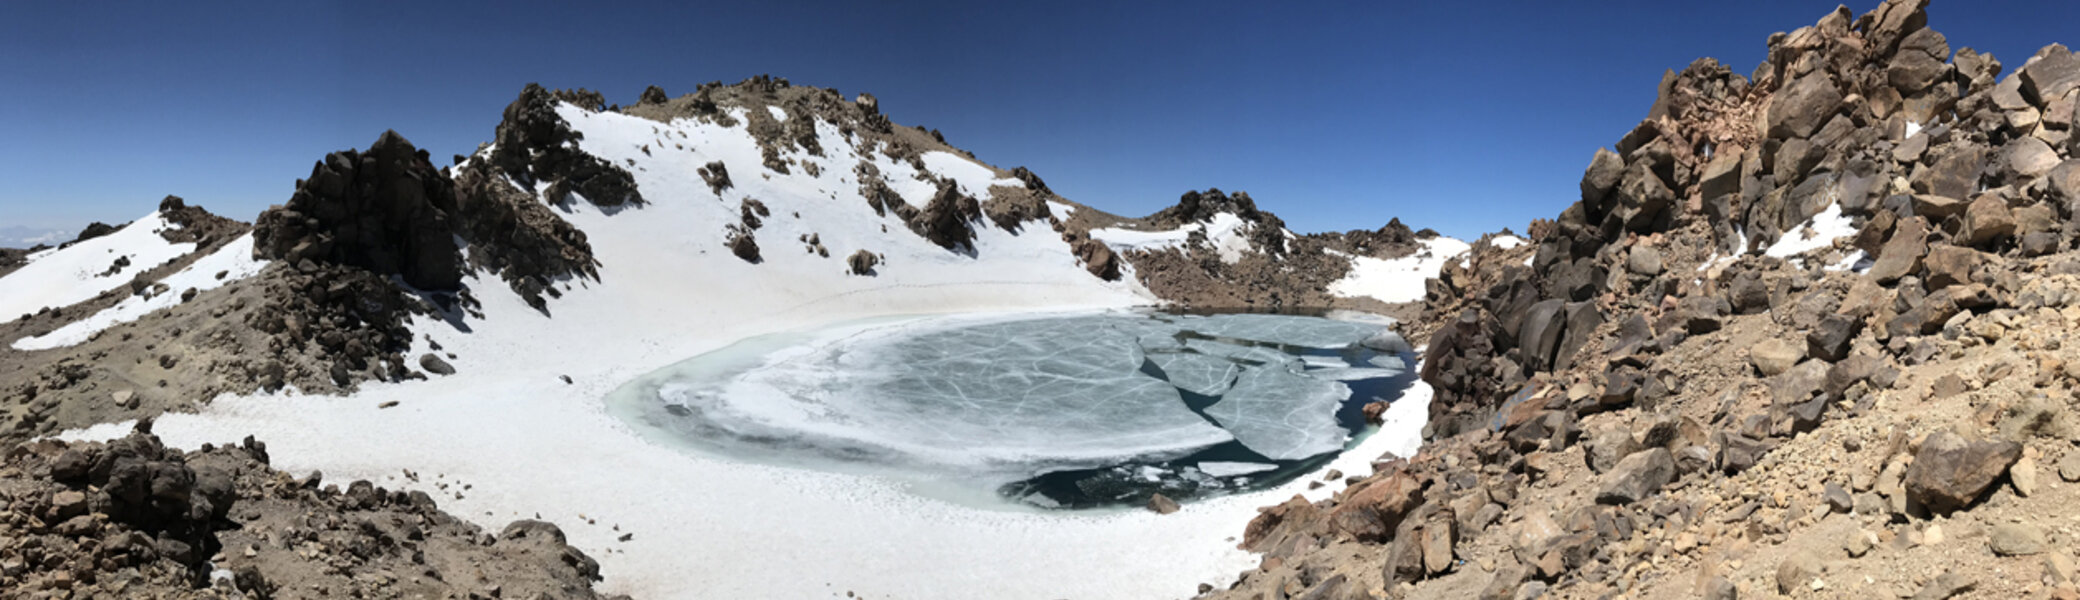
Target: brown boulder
point(1641, 197)
point(1097, 258)
point(1893, 21)
point(862, 262)
point(1953, 172)
point(1923, 58)
point(2029, 157)
point(1902, 253)
point(1275, 523)
point(1773, 356)
point(1988, 219)
point(1910, 151)
point(1948, 266)
point(1950, 473)
point(2055, 72)
point(1802, 106)
point(2064, 180)
point(1638, 476)
point(1936, 208)
point(1722, 176)
point(1602, 175)
point(1373, 511)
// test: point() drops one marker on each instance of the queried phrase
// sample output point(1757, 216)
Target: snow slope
point(65, 276)
point(1225, 231)
point(529, 444)
point(231, 263)
point(1399, 279)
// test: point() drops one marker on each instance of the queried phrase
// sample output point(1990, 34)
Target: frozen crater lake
point(1051, 410)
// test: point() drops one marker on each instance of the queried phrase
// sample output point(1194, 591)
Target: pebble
point(2024, 475)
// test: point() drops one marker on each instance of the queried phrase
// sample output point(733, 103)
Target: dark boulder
point(1902, 253)
point(1540, 334)
point(716, 175)
point(946, 219)
point(1701, 314)
point(94, 230)
point(1637, 476)
point(1581, 320)
point(1748, 294)
point(1830, 341)
point(1923, 58)
point(2055, 72)
point(862, 262)
point(1641, 198)
point(1032, 181)
point(1803, 106)
point(1601, 176)
point(1950, 473)
point(1953, 173)
point(433, 364)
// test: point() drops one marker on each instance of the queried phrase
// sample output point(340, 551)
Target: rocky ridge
point(1681, 396)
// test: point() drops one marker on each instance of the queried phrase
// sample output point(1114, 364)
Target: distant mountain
point(17, 236)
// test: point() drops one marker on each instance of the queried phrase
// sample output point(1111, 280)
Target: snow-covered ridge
point(230, 263)
point(60, 277)
point(683, 227)
point(1402, 279)
point(1226, 231)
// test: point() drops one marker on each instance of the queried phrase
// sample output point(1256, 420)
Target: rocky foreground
point(1683, 396)
point(132, 518)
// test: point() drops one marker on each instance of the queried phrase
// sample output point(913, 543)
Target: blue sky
point(1335, 115)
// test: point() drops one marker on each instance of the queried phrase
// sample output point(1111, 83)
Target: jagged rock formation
point(946, 219)
point(93, 230)
point(1275, 271)
point(197, 226)
point(389, 211)
point(533, 147)
point(1683, 394)
point(386, 210)
point(1727, 162)
point(1393, 240)
point(1268, 234)
point(134, 518)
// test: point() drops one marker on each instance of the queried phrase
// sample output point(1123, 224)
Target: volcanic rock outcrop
point(534, 146)
point(1799, 333)
point(386, 209)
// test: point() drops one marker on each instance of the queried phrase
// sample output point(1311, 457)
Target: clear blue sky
point(1336, 116)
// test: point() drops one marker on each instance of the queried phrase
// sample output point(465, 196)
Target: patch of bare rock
point(1656, 409)
point(131, 518)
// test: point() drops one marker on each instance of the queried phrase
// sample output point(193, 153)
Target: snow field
point(61, 277)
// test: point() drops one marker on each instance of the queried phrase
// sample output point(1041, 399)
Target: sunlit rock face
point(1053, 410)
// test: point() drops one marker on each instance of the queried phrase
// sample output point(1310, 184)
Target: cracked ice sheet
point(1311, 332)
point(986, 396)
point(1244, 355)
point(1281, 415)
point(1197, 373)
